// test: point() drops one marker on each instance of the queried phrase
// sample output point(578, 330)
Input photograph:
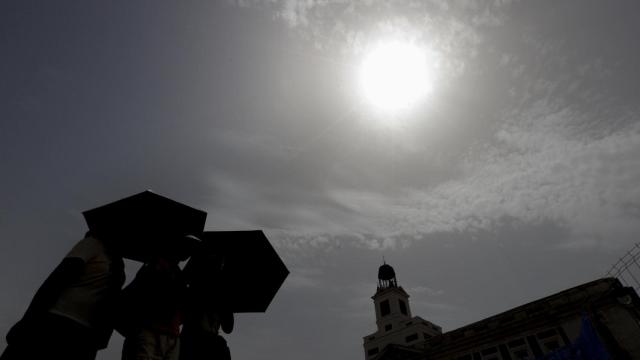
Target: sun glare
point(395, 75)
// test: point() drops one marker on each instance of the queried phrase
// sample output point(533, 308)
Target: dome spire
point(386, 276)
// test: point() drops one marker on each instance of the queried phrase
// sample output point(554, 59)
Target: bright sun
point(395, 75)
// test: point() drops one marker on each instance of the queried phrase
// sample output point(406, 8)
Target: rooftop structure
point(604, 311)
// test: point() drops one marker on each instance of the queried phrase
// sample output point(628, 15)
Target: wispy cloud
point(557, 149)
point(304, 278)
point(541, 167)
point(432, 306)
point(425, 290)
point(452, 29)
point(543, 164)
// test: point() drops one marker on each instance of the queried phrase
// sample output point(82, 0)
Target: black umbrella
point(240, 268)
point(147, 224)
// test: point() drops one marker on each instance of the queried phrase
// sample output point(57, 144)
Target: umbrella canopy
point(147, 224)
point(240, 266)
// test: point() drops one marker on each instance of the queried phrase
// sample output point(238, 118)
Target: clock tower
point(393, 317)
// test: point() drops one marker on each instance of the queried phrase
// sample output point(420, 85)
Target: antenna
point(627, 268)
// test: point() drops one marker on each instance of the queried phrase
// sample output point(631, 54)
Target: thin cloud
point(439, 307)
point(557, 148)
point(304, 278)
point(425, 290)
point(539, 169)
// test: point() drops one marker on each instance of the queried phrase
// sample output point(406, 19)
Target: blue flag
point(586, 347)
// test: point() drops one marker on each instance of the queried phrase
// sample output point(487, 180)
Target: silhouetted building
point(393, 317)
point(600, 318)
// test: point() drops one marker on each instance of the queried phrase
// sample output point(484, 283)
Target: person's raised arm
point(69, 270)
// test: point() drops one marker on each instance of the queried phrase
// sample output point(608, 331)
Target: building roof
point(534, 315)
point(570, 302)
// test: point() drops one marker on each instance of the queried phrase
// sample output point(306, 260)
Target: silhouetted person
point(70, 314)
point(206, 312)
point(153, 311)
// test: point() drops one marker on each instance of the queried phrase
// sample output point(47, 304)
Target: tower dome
point(386, 272)
point(386, 277)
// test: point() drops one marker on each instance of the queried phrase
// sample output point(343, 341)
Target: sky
point(516, 177)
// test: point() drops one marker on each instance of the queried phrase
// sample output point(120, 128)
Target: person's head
point(163, 262)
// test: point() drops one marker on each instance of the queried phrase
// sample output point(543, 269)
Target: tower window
point(551, 345)
point(516, 343)
point(403, 307)
point(546, 334)
point(489, 351)
point(385, 309)
point(490, 354)
point(388, 327)
point(521, 354)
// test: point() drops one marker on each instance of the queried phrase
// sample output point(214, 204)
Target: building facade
point(601, 318)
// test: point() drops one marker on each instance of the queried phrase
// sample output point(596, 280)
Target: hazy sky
point(516, 178)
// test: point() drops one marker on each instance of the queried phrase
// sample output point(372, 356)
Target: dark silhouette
point(74, 312)
point(146, 223)
point(70, 316)
point(206, 310)
point(151, 311)
point(233, 271)
point(251, 268)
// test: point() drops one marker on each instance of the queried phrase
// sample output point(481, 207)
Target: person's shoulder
point(87, 248)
